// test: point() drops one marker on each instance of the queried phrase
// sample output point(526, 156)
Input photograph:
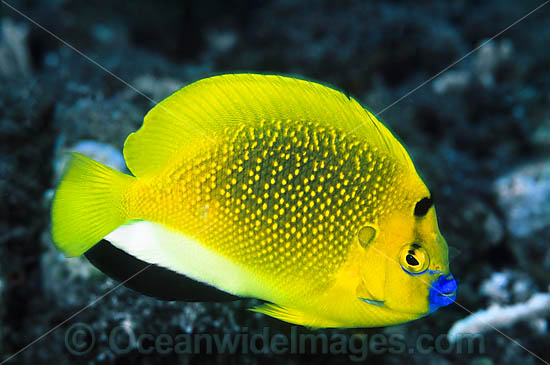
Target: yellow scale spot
point(308, 234)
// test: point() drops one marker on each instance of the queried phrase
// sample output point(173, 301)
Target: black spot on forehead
point(422, 207)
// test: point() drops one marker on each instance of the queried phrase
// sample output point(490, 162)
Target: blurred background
point(479, 134)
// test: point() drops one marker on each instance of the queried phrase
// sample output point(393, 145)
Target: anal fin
point(295, 316)
point(283, 313)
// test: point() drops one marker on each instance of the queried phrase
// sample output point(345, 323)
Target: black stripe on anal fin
point(155, 281)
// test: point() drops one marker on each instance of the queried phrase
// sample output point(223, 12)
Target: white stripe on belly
point(154, 243)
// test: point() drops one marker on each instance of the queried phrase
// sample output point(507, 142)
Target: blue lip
point(442, 292)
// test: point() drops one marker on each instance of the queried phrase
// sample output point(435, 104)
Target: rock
point(507, 287)
point(488, 113)
point(481, 361)
point(546, 261)
point(63, 278)
point(1, 315)
point(479, 213)
point(222, 40)
point(495, 288)
point(101, 152)
point(480, 222)
point(451, 81)
point(489, 58)
point(523, 196)
point(15, 58)
point(155, 88)
point(93, 117)
point(541, 136)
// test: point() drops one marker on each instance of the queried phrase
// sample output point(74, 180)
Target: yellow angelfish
point(266, 187)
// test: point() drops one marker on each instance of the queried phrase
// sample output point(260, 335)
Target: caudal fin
point(88, 205)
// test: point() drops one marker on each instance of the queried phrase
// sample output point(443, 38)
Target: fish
point(267, 187)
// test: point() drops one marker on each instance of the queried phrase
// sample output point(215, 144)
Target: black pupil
point(411, 260)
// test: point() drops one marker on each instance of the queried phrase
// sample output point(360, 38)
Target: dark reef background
point(479, 134)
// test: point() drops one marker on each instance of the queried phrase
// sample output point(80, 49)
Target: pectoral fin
point(367, 296)
point(377, 303)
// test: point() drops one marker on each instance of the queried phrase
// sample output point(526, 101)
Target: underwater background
point(479, 134)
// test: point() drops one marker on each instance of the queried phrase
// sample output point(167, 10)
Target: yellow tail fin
point(88, 205)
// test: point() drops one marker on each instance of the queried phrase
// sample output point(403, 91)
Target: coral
point(536, 310)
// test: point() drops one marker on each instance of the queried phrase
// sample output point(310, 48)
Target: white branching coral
point(535, 309)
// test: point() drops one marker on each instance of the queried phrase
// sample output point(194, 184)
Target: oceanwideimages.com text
point(80, 338)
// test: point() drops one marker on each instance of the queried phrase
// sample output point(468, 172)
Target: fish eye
point(411, 260)
point(422, 207)
point(414, 259)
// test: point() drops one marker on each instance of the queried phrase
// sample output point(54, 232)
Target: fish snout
point(442, 292)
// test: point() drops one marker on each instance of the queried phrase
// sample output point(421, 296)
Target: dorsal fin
point(202, 109)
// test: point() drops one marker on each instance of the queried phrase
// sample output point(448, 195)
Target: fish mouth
point(442, 292)
point(446, 298)
point(448, 295)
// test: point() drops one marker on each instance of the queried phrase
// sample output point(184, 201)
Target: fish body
point(272, 188)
